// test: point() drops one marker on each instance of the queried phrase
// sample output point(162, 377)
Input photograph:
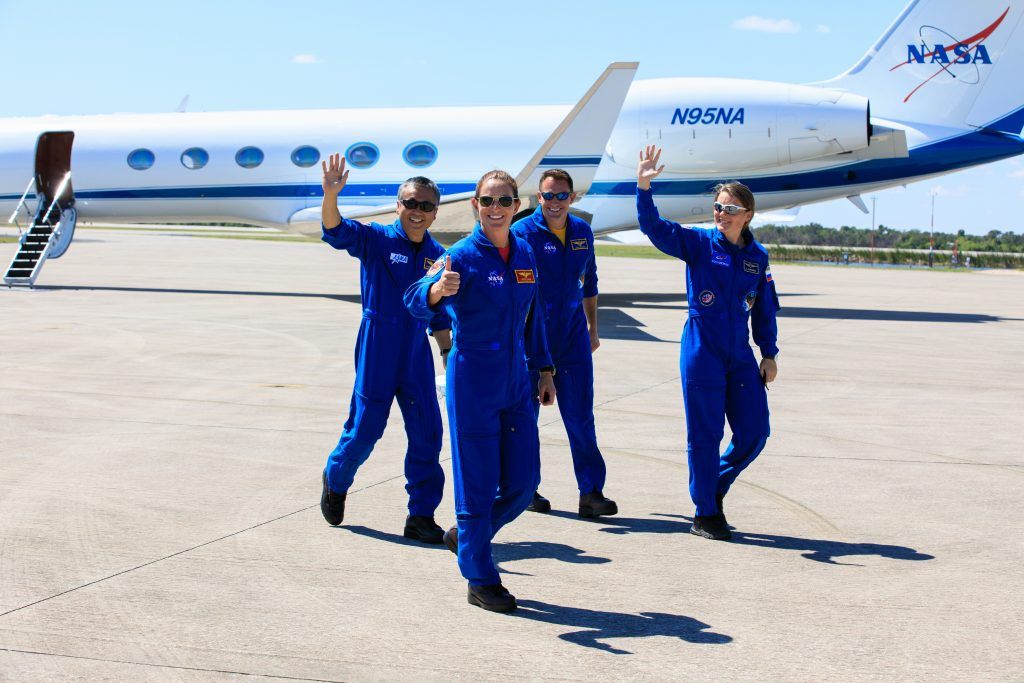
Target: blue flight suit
point(568, 274)
point(393, 360)
point(497, 342)
point(726, 285)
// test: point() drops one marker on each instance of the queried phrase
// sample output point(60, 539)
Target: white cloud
point(305, 59)
point(821, 28)
point(755, 23)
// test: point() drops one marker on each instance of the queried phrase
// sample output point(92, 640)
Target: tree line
point(815, 234)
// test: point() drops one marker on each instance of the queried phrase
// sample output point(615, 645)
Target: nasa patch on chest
point(495, 279)
point(721, 259)
point(525, 277)
point(399, 258)
point(706, 298)
point(550, 248)
point(751, 267)
point(580, 244)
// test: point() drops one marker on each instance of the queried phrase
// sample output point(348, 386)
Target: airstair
point(48, 236)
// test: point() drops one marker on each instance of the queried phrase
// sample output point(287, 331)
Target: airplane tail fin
point(947, 63)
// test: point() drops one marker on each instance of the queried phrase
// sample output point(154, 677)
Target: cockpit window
point(305, 156)
point(141, 159)
point(249, 157)
point(420, 154)
point(195, 158)
point(362, 154)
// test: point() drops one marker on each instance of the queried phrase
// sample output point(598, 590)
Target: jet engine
point(729, 126)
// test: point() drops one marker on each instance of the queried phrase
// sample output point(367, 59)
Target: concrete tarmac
point(168, 403)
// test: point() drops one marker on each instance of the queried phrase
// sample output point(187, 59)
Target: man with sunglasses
point(393, 358)
point(567, 275)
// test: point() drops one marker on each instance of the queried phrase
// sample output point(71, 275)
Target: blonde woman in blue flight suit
point(728, 283)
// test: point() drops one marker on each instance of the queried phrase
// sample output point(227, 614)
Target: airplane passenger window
point(305, 156)
point(194, 158)
point(420, 154)
point(249, 157)
point(362, 154)
point(141, 159)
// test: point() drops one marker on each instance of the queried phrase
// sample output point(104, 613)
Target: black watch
point(763, 357)
point(548, 368)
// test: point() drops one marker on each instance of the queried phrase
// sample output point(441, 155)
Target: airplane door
point(53, 161)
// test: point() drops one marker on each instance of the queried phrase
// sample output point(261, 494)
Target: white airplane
point(938, 92)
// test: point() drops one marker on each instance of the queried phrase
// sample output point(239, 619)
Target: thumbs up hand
point(447, 285)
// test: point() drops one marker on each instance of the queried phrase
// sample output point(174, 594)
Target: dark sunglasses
point(730, 209)
point(560, 196)
point(504, 200)
point(426, 207)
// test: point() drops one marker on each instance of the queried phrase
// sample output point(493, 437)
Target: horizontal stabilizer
point(1012, 124)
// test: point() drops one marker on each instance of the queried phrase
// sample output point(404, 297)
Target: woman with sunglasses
point(728, 282)
point(393, 358)
point(487, 284)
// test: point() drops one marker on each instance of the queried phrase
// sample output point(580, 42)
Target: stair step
point(19, 272)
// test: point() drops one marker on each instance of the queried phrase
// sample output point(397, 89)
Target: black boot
point(594, 504)
point(332, 505)
point(451, 539)
point(711, 526)
point(423, 529)
point(539, 503)
point(493, 598)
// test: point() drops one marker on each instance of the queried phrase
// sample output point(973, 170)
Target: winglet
point(578, 143)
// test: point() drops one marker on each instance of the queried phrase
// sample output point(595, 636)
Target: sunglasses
point(504, 200)
point(426, 207)
point(730, 209)
point(560, 196)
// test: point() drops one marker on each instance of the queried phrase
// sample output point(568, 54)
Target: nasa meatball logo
point(550, 248)
point(496, 279)
point(706, 298)
point(399, 258)
point(749, 299)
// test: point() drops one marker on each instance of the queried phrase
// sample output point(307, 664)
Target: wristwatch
point(548, 368)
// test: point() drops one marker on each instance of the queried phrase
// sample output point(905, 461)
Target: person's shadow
point(818, 550)
point(503, 552)
point(597, 626)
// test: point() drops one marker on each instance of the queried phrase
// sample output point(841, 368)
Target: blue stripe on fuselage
point(946, 155)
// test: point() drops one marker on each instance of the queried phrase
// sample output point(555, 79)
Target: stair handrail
point(21, 204)
point(56, 196)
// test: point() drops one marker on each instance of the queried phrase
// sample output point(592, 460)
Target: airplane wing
point(577, 145)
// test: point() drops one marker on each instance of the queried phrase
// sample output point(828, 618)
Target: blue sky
point(108, 57)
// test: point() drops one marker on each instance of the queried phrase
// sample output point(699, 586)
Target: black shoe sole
point(590, 513)
point(415, 535)
point(707, 534)
point(543, 508)
point(473, 600)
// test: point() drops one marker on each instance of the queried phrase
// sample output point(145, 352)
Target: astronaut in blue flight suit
point(393, 358)
point(728, 282)
point(487, 284)
point(567, 272)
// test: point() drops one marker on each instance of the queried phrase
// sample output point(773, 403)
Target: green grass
point(258, 238)
point(5, 240)
point(629, 251)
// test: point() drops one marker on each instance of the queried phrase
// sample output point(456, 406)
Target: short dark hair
point(557, 174)
point(422, 183)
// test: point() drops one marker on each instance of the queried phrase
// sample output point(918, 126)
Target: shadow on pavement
point(397, 539)
point(600, 626)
